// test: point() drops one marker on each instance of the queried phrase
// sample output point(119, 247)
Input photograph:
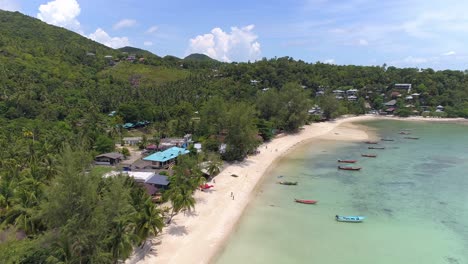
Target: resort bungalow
point(439, 108)
point(164, 159)
point(112, 158)
point(391, 106)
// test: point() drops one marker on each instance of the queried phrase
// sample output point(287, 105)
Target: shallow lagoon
point(414, 195)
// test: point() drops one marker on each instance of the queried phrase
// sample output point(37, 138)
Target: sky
point(402, 33)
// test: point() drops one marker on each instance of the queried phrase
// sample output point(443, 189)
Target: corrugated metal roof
point(112, 155)
point(166, 155)
point(158, 179)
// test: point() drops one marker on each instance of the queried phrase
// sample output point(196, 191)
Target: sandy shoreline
point(197, 237)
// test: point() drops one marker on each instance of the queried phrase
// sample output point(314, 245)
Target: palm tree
point(22, 214)
point(181, 198)
point(214, 164)
point(149, 221)
point(121, 239)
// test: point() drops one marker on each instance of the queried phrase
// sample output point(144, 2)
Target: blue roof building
point(164, 158)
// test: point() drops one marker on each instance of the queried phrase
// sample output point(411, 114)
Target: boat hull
point(349, 219)
point(287, 183)
point(347, 161)
point(305, 201)
point(349, 168)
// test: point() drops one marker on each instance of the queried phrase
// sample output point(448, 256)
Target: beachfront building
point(151, 181)
point(163, 159)
point(439, 108)
point(390, 106)
point(112, 158)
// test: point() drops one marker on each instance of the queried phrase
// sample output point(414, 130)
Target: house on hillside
point(403, 86)
point(131, 58)
point(351, 92)
point(164, 159)
point(112, 158)
point(339, 94)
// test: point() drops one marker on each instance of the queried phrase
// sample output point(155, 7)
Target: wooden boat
point(371, 142)
point(387, 139)
point(376, 147)
point(349, 168)
point(404, 133)
point(351, 219)
point(369, 155)
point(347, 161)
point(411, 137)
point(305, 201)
point(287, 183)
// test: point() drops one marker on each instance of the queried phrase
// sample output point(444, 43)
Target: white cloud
point(61, 13)
point(9, 5)
point(124, 23)
point(415, 60)
point(152, 29)
point(114, 42)
point(330, 61)
point(449, 53)
point(238, 45)
point(148, 43)
point(363, 42)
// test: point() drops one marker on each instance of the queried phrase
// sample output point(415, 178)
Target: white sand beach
point(198, 236)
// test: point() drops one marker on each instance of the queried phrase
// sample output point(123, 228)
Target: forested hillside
point(57, 90)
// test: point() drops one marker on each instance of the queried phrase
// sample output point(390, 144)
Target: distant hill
point(137, 51)
point(49, 63)
point(20, 34)
point(199, 57)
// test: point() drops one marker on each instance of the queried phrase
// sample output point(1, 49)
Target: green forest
point(57, 90)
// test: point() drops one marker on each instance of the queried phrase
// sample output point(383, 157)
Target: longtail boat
point(376, 147)
point(351, 219)
point(347, 161)
point(387, 139)
point(305, 201)
point(349, 168)
point(287, 183)
point(369, 155)
point(371, 142)
point(411, 137)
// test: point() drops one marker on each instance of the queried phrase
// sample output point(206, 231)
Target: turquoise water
point(414, 195)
